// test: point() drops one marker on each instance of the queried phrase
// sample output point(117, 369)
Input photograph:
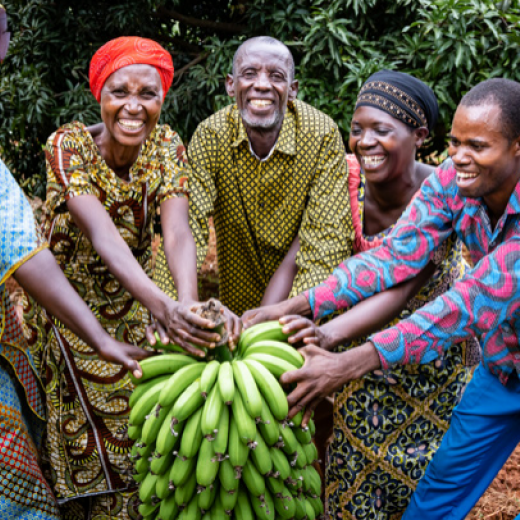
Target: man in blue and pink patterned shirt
point(475, 194)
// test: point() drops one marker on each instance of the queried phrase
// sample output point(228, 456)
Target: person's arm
point(364, 318)
point(181, 324)
point(282, 280)
point(325, 234)
point(54, 292)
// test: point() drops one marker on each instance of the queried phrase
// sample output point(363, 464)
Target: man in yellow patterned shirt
point(271, 171)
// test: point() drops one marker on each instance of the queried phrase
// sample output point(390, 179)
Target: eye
point(248, 74)
point(277, 76)
point(149, 94)
point(454, 142)
point(382, 131)
point(119, 92)
point(355, 131)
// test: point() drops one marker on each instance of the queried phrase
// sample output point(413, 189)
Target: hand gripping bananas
point(213, 439)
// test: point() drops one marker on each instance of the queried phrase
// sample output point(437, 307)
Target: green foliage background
point(337, 44)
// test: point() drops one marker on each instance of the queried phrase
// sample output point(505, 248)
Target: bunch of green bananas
point(213, 440)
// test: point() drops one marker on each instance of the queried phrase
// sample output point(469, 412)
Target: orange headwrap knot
point(129, 50)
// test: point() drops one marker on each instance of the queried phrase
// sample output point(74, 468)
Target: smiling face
point(262, 85)
point(131, 102)
point(487, 162)
point(384, 146)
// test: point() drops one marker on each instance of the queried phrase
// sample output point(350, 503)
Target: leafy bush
point(337, 44)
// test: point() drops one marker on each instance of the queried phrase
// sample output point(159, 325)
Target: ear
point(293, 90)
point(230, 85)
point(420, 136)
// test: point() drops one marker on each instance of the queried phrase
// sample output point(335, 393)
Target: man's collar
point(286, 142)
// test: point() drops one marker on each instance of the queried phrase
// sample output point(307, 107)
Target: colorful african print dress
point(24, 493)
point(87, 398)
point(389, 424)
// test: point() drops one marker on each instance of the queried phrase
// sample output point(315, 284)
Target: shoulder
point(225, 119)
point(164, 134)
point(312, 120)
point(69, 135)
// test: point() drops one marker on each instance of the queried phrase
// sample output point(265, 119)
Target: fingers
point(135, 369)
point(194, 319)
point(303, 394)
point(294, 376)
point(149, 333)
point(185, 340)
point(163, 335)
point(308, 334)
point(307, 416)
point(250, 318)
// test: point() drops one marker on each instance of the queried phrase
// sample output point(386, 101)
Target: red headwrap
point(129, 50)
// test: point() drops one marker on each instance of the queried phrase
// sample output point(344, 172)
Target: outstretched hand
point(302, 330)
point(263, 314)
point(123, 354)
point(325, 372)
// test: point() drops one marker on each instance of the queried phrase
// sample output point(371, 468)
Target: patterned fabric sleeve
point(67, 176)
point(19, 236)
point(326, 231)
point(481, 304)
point(176, 169)
point(417, 235)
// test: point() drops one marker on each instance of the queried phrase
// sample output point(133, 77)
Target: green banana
point(159, 365)
point(134, 432)
point(228, 499)
point(217, 511)
point(300, 512)
point(306, 480)
point(284, 505)
point(261, 457)
point(192, 510)
point(314, 479)
point(146, 509)
point(142, 388)
point(277, 349)
point(243, 509)
point(297, 419)
point(297, 479)
point(221, 439)
point(182, 468)
point(300, 460)
point(164, 487)
point(147, 488)
point(208, 377)
point(317, 505)
point(206, 516)
point(275, 365)
point(237, 450)
point(183, 494)
point(169, 434)
point(227, 476)
point(253, 480)
point(245, 423)
point(264, 509)
point(145, 404)
point(139, 477)
point(192, 435)
point(270, 330)
point(248, 388)
point(270, 388)
point(153, 424)
point(207, 496)
point(211, 412)
point(290, 443)
point(268, 426)
point(275, 485)
point(169, 508)
point(280, 463)
point(311, 452)
point(302, 434)
point(311, 513)
point(142, 464)
point(312, 427)
point(226, 382)
point(178, 383)
point(207, 464)
point(161, 463)
point(189, 401)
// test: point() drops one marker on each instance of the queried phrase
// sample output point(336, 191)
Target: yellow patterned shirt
point(259, 207)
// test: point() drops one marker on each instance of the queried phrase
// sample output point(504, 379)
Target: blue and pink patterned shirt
point(484, 303)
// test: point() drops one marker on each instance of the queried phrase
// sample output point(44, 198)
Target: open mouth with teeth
point(260, 103)
point(131, 124)
point(372, 161)
point(464, 175)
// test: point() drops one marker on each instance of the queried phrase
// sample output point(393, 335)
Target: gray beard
point(266, 124)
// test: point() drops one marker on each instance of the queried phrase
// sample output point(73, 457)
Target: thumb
point(134, 368)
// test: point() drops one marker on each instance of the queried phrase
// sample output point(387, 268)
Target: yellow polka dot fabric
point(259, 207)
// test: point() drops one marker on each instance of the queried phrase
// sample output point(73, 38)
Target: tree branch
point(190, 48)
point(182, 70)
point(204, 24)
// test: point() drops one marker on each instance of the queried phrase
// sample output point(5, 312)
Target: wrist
point(297, 305)
point(329, 338)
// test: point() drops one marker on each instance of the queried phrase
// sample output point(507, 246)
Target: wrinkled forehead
point(263, 54)
point(135, 73)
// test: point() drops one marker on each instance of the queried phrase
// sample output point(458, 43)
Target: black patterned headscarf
point(402, 96)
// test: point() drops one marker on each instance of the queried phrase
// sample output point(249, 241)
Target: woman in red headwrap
point(104, 187)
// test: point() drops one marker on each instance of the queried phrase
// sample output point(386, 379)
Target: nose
point(133, 105)
point(262, 81)
point(459, 155)
point(367, 139)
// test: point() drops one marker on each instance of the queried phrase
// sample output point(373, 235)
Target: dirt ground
point(500, 502)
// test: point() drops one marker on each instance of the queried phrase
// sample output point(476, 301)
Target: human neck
point(397, 192)
point(119, 158)
point(262, 141)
